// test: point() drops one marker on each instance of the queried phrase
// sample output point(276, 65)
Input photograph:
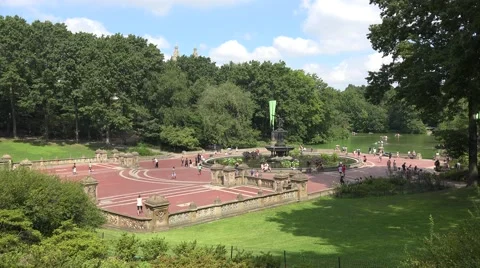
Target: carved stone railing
point(122, 221)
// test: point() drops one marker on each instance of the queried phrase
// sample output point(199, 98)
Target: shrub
point(390, 186)
point(126, 247)
point(154, 248)
point(142, 149)
point(47, 201)
point(459, 247)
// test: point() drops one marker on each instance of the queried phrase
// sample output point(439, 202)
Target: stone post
point(103, 156)
point(193, 212)
point(216, 174)
point(6, 162)
point(97, 155)
point(293, 172)
point(156, 208)
point(228, 176)
point(281, 179)
point(136, 157)
point(299, 182)
point(121, 159)
point(128, 160)
point(26, 164)
point(243, 172)
point(115, 155)
point(90, 187)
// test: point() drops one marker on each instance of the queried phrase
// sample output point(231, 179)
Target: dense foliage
point(46, 201)
point(57, 84)
point(435, 50)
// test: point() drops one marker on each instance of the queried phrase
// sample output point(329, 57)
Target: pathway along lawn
point(36, 149)
point(370, 231)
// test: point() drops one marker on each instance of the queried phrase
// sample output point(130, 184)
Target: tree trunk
point(472, 143)
point(76, 122)
point(107, 135)
point(45, 123)
point(14, 120)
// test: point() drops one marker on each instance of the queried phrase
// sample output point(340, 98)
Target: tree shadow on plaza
point(370, 232)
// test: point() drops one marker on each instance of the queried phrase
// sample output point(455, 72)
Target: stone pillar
point(128, 160)
point(121, 159)
point(115, 155)
point(6, 162)
point(299, 182)
point(26, 164)
point(136, 157)
point(228, 176)
point(97, 155)
point(156, 208)
point(216, 174)
point(243, 172)
point(281, 179)
point(103, 156)
point(294, 172)
point(90, 187)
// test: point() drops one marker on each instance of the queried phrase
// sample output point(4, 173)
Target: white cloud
point(349, 71)
point(202, 46)
point(158, 41)
point(375, 61)
point(76, 25)
point(340, 25)
point(296, 46)
point(232, 50)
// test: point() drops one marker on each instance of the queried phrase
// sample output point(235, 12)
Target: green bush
point(459, 247)
point(153, 248)
point(47, 201)
point(126, 247)
point(390, 186)
point(454, 175)
point(142, 149)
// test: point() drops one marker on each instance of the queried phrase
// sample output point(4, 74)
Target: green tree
point(16, 231)
point(434, 45)
point(227, 115)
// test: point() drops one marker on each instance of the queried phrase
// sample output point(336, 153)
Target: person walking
point(139, 205)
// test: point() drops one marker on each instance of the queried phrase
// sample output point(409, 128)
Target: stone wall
point(197, 215)
point(126, 222)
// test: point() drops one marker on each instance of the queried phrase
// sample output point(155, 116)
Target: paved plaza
point(118, 187)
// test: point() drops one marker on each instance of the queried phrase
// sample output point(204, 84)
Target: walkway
point(118, 188)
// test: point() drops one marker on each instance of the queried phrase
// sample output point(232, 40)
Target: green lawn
point(35, 149)
point(369, 232)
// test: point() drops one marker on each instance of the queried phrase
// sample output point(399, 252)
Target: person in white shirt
point(139, 205)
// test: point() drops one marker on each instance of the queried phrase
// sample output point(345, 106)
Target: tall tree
point(435, 47)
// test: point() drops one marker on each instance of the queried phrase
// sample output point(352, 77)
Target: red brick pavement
point(118, 188)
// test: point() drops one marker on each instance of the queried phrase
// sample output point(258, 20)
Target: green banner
point(272, 105)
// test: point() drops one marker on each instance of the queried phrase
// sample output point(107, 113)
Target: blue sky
point(327, 37)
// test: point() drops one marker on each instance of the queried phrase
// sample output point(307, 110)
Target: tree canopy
point(435, 46)
point(61, 85)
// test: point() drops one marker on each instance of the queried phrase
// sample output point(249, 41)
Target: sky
point(326, 37)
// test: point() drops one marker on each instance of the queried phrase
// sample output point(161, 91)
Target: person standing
point(139, 205)
point(174, 174)
point(90, 167)
point(155, 160)
point(199, 168)
point(74, 169)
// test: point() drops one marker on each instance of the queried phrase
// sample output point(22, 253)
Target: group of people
point(74, 168)
point(265, 167)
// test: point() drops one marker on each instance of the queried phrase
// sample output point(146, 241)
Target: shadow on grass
point(371, 231)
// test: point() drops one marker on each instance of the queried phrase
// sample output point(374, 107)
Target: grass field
point(35, 149)
point(369, 232)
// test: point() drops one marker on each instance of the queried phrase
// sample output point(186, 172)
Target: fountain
point(279, 149)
